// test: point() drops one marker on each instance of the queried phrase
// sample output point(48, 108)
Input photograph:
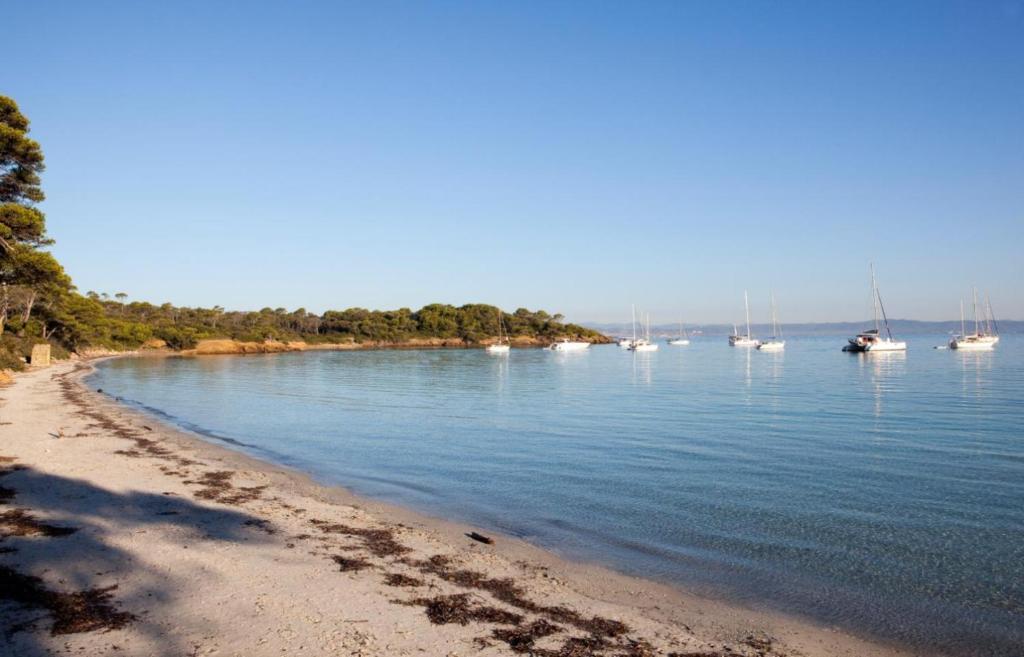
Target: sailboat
point(501, 346)
point(644, 343)
point(682, 340)
point(774, 343)
point(979, 340)
point(737, 340)
point(872, 339)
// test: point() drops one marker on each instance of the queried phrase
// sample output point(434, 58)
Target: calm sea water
point(879, 492)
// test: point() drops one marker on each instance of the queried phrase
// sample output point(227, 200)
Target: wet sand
point(120, 535)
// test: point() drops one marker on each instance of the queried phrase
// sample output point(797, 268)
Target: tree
point(22, 225)
point(37, 273)
point(21, 159)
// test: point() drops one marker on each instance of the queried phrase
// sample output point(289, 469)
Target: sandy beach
point(123, 536)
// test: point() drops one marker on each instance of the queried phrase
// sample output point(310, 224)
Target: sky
point(579, 157)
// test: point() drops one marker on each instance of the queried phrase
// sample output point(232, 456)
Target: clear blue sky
point(578, 157)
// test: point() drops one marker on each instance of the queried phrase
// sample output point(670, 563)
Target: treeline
point(38, 301)
point(101, 321)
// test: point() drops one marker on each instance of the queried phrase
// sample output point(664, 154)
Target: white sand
point(228, 571)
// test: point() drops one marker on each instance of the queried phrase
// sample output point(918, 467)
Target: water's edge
point(614, 580)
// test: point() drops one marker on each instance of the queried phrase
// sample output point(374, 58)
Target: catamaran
point(644, 343)
point(872, 339)
point(979, 340)
point(682, 340)
point(501, 346)
point(774, 343)
point(737, 340)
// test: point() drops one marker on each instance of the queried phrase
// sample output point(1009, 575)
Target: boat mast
point(963, 330)
point(977, 326)
point(878, 295)
point(874, 295)
point(991, 317)
point(775, 317)
point(746, 304)
point(634, 323)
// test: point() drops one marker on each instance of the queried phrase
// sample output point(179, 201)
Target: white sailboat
point(774, 343)
point(737, 340)
point(872, 339)
point(501, 346)
point(979, 340)
point(644, 343)
point(682, 340)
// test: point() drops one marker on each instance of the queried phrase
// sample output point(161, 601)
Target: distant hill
point(899, 326)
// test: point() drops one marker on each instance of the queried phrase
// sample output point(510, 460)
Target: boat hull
point(498, 349)
point(775, 345)
point(570, 346)
point(872, 341)
point(960, 345)
point(974, 342)
point(886, 346)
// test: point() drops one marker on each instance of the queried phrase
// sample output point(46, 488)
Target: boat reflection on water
point(642, 368)
point(886, 369)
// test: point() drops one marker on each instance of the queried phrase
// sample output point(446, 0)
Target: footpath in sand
point(122, 536)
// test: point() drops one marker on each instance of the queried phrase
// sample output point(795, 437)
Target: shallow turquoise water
point(881, 492)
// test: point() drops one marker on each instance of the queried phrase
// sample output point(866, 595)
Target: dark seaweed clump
point(379, 542)
point(216, 486)
point(521, 639)
point(458, 608)
point(84, 611)
point(18, 522)
point(507, 591)
point(398, 579)
point(348, 564)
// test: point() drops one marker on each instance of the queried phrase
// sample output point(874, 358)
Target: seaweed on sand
point(398, 579)
point(217, 486)
point(84, 611)
point(458, 608)
point(379, 542)
point(507, 591)
point(18, 522)
point(348, 564)
point(522, 638)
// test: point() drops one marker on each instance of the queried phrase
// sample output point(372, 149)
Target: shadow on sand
point(61, 574)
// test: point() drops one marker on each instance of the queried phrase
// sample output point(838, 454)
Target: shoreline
point(493, 599)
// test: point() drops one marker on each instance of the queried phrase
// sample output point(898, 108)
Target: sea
point(880, 493)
